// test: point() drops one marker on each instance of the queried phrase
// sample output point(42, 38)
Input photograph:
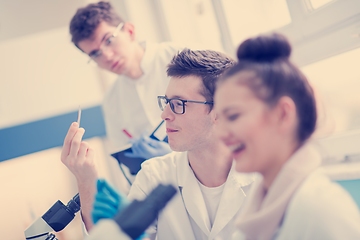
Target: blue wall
point(353, 187)
point(48, 133)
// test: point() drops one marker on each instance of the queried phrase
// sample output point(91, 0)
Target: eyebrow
point(229, 109)
point(176, 96)
point(102, 40)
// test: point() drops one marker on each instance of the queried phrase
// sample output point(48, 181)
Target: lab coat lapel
point(231, 200)
point(175, 222)
point(192, 196)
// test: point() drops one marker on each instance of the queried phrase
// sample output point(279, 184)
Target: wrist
point(87, 180)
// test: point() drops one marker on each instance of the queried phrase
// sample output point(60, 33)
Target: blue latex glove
point(108, 201)
point(146, 147)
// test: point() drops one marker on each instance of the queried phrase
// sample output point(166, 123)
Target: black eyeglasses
point(176, 105)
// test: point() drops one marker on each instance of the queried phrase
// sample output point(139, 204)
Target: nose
point(167, 114)
point(107, 54)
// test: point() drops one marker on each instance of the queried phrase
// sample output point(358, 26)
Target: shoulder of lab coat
point(320, 209)
point(153, 172)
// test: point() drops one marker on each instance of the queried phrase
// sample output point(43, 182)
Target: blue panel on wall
point(48, 133)
point(353, 187)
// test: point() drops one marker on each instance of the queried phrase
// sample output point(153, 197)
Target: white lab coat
point(185, 217)
point(320, 209)
point(317, 209)
point(132, 104)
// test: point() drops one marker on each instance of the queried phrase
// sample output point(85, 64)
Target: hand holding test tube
point(78, 156)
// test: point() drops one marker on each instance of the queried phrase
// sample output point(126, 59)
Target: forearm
point(87, 192)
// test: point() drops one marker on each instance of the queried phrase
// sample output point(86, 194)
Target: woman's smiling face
point(248, 126)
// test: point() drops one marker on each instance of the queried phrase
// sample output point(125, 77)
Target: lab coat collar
point(230, 202)
point(191, 194)
point(266, 211)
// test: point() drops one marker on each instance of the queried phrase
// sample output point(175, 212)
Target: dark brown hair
point(268, 57)
point(87, 19)
point(206, 64)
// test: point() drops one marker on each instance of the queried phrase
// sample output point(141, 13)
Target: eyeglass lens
point(108, 43)
point(176, 105)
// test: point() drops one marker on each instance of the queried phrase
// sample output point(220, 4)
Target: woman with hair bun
point(267, 114)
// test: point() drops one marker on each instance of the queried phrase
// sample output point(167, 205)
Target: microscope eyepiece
point(74, 204)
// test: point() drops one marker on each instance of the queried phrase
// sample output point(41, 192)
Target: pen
point(79, 116)
point(127, 133)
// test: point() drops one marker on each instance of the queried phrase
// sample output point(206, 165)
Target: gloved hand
point(108, 202)
point(146, 147)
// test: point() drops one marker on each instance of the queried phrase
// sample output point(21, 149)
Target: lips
point(170, 130)
point(114, 65)
point(236, 148)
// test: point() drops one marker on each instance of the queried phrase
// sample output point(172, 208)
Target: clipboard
point(159, 132)
point(134, 164)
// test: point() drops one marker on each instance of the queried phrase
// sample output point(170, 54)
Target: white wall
point(43, 75)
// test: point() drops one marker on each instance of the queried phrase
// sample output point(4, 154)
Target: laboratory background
point(44, 79)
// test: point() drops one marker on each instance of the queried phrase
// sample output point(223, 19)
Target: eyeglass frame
point(168, 101)
point(116, 32)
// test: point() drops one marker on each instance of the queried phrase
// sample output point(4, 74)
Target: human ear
point(214, 116)
point(286, 114)
point(130, 28)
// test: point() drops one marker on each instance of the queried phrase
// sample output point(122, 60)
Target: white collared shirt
point(212, 196)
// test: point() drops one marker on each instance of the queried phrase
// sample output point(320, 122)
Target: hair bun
point(264, 48)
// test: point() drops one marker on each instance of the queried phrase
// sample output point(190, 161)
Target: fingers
point(106, 199)
point(84, 146)
point(102, 205)
point(105, 189)
point(144, 134)
point(144, 148)
point(100, 184)
point(135, 148)
point(67, 141)
point(100, 213)
point(112, 191)
point(76, 142)
point(90, 153)
point(101, 210)
point(148, 139)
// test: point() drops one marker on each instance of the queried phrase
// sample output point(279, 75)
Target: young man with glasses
point(210, 192)
point(130, 103)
